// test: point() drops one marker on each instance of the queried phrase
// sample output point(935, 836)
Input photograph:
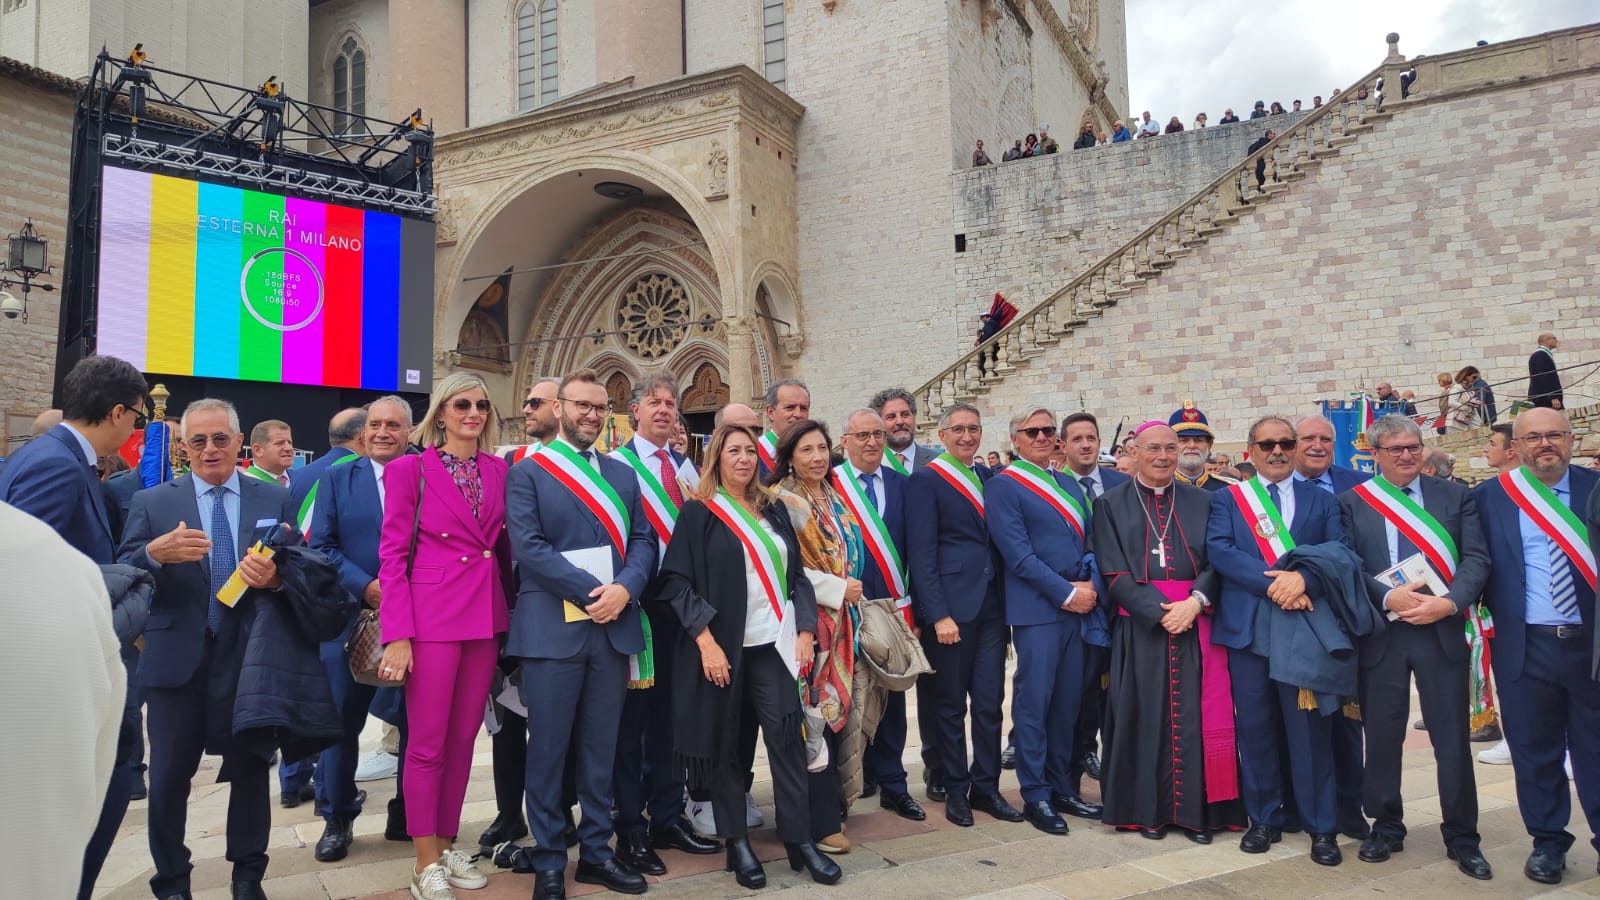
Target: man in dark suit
point(961, 612)
point(1313, 462)
point(53, 479)
point(1040, 526)
point(898, 409)
point(645, 780)
point(1544, 381)
point(346, 525)
point(884, 491)
point(1424, 637)
point(192, 532)
point(572, 631)
point(1271, 725)
point(1543, 603)
point(345, 439)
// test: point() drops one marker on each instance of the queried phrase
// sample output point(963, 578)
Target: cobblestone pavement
point(893, 857)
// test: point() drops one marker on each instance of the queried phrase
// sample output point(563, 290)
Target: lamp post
point(27, 257)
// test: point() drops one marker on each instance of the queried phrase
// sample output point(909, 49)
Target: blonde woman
point(444, 564)
point(1446, 386)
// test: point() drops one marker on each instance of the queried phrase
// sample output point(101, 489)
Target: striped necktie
point(1563, 592)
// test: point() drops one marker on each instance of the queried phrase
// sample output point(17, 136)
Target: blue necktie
point(1563, 592)
point(222, 561)
point(1088, 487)
point(1272, 491)
point(866, 484)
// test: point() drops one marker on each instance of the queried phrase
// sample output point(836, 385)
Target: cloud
point(1185, 56)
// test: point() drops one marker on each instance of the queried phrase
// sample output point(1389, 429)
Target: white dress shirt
point(1285, 498)
point(377, 478)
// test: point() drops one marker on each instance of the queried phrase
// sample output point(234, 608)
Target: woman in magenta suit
point(444, 563)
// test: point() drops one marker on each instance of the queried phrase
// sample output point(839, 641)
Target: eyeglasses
point(534, 403)
point(1554, 437)
point(1402, 450)
point(1273, 446)
point(220, 439)
point(1048, 431)
point(963, 429)
point(462, 404)
point(867, 435)
point(586, 408)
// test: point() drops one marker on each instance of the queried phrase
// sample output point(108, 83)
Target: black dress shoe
point(1259, 839)
point(1325, 850)
point(394, 828)
point(507, 826)
point(1091, 765)
point(995, 805)
point(1199, 837)
point(334, 844)
point(958, 811)
point(247, 890)
point(181, 895)
point(550, 885)
point(1471, 862)
point(612, 875)
point(678, 836)
point(1041, 815)
point(1008, 757)
point(633, 850)
point(1376, 848)
point(289, 799)
point(903, 805)
point(743, 864)
point(1152, 834)
point(1545, 866)
point(936, 792)
point(806, 856)
point(868, 787)
point(1354, 826)
point(1073, 805)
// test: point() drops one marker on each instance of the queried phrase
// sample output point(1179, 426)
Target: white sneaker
point(700, 818)
point(432, 883)
point(377, 766)
point(461, 871)
point(752, 816)
point(1498, 755)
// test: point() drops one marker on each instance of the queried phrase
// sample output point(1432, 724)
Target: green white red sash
point(584, 480)
point(1558, 523)
point(525, 451)
point(308, 507)
point(767, 449)
point(1264, 518)
point(892, 459)
point(262, 474)
point(770, 569)
point(658, 505)
point(874, 533)
point(1046, 488)
point(1416, 523)
point(960, 477)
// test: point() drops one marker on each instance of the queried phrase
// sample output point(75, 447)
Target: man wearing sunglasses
point(53, 479)
point(1394, 517)
point(1244, 536)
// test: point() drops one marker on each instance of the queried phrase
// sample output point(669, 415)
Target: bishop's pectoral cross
point(1160, 552)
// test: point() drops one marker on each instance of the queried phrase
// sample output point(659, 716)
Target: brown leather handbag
point(364, 649)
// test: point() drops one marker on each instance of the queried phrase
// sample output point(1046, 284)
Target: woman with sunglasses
point(733, 578)
point(444, 568)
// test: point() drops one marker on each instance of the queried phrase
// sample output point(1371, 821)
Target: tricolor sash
point(658, 506)
point(262, 474)
point(308, 507)
point(874, 533)
point(769, 565)
point(960, 477)
point(1264, 518)
point(525, 451)
point(892, 460)
point(767, 449)
point(1558, 523)
point(1046, 488)
point(1416, 523)
point(584, 480)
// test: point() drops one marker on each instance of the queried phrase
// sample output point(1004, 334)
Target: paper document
point(1413, 568)
point(597, 562)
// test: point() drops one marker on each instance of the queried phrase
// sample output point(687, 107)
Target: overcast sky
point(1185, 56)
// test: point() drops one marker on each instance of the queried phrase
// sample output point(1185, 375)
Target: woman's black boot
point(743, 864)
point(806, 856)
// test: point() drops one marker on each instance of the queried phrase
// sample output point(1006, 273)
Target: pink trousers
point(445, 693)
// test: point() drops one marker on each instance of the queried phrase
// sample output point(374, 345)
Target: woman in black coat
point(742, 646)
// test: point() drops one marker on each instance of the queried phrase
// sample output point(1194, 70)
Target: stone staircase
point(1291, 156)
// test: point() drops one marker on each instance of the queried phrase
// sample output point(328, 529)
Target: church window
point(349, 87)
point(772, 41)
point(538, 60)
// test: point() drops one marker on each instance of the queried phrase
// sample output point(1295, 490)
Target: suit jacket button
point(487, 554)
point(463, 559)
point(444, 534)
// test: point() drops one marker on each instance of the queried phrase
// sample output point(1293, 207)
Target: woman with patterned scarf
point(831, 550)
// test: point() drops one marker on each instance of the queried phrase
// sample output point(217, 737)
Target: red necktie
point(669, 478)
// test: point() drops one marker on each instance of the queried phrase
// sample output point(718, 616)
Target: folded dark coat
point(130, 588)
point(1316, 649)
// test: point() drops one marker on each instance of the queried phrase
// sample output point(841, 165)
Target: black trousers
point(826, 793)
point(973, 668)
point(764, 681)
point(177, 719)
point(1442, 688)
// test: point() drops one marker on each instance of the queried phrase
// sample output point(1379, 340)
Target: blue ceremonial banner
point(1350, 418)
point(155, 464)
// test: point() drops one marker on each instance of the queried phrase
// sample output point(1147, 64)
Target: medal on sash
point(1263, 517)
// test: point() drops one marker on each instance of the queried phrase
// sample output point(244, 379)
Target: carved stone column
point(741, 354)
